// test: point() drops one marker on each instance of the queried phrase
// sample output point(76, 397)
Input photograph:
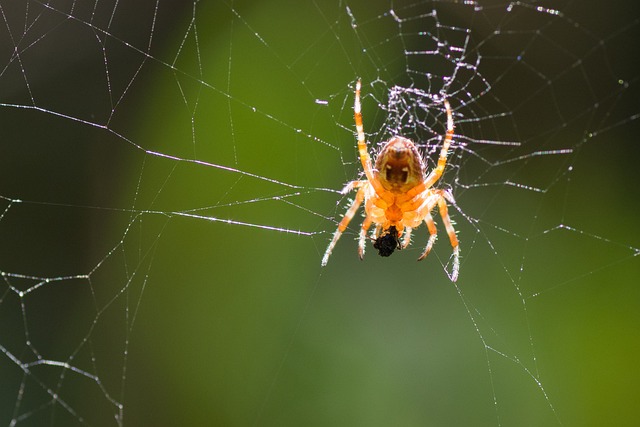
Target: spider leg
point(362, 239)
point(442, 160)
point(376, 232)
point(352, 185)
point(444, 214)
point(407, 237)
point(346, 219)
point(433, 234)
point(365, 158)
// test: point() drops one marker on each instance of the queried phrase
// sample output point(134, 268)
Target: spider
point(398, 194)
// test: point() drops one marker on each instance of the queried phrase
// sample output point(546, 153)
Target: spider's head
point(387, 242)
point(399, 165)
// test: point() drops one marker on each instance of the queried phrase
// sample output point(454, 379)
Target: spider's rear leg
point(442, 204)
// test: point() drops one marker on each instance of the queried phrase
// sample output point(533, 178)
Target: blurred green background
point(188, 321)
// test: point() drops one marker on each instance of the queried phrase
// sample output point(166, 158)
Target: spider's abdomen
point(399, 165)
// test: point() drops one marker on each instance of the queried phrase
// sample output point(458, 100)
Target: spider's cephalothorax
point(398, 194)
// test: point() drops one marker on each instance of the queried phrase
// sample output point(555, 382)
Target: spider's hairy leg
point(442, 205)
point(362, 239)
point(365, 158)
point(352, 185)
point(373, 236)
point(343, 224)
point(407, 237)
point(433, 234)
point(442, 160)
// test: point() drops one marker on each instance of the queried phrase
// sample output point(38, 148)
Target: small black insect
point(387, 242)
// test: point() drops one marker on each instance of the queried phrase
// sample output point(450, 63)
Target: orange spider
point(397, 194)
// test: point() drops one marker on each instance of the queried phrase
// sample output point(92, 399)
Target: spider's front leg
point(444, 151)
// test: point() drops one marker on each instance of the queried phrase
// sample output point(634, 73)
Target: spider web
point(170, 176)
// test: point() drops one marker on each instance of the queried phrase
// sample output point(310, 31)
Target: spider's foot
point(325, 260)
point(456, 264)
point(432, 240)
